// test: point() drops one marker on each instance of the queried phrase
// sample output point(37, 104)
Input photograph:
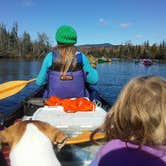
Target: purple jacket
point(116, 153)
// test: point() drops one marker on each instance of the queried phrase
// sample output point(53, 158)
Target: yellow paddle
point(12, 87)
point(84, 137)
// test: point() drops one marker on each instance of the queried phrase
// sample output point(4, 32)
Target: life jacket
point(68, 88)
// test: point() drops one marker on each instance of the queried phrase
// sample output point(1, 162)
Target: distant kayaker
point(135, 126)
point(66, 69)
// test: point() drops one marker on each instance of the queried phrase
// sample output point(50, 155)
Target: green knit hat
point(66, 35)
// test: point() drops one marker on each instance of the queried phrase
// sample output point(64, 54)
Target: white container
point(71, 123)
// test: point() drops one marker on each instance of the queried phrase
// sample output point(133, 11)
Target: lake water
point(112, 77)
point(115, 75)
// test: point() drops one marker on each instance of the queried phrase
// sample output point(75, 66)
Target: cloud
point(125, 25)
point(138, 36)
point(102, 21)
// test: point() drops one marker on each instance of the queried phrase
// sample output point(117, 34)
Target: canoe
point(147, 62)
point(6, 120)
point(80, 153)
point(104, 60)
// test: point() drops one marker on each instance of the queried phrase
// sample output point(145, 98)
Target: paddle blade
point(12, 87)
point(84, 137)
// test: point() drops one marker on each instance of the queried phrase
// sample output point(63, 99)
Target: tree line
point(22, 46)
point(13, 45)
point(129, 51)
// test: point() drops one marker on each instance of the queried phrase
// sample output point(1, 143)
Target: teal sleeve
point(42, 76)
point(92, 74)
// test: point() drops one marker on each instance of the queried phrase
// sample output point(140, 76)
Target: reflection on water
point(18, 69)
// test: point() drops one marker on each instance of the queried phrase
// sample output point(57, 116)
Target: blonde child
point(135, 127)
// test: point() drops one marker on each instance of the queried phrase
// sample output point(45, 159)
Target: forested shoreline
point(13, 45)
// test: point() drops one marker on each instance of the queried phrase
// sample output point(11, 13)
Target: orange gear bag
point(72, 105)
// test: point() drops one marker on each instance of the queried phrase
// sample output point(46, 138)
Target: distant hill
point(87, 48)
point(95, 45)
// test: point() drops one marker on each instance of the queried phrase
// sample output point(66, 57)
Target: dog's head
point(13, 134)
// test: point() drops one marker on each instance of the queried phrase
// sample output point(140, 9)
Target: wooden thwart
point(84, 137)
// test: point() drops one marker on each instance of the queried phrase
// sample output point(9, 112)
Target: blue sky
point(96, 21)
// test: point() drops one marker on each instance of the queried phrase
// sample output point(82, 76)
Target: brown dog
point(30, 143)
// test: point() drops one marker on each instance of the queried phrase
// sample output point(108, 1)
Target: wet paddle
point(12, 87)
point(84, 137)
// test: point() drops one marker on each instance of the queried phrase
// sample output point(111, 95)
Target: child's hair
point(67, 57)
point(139, 114)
